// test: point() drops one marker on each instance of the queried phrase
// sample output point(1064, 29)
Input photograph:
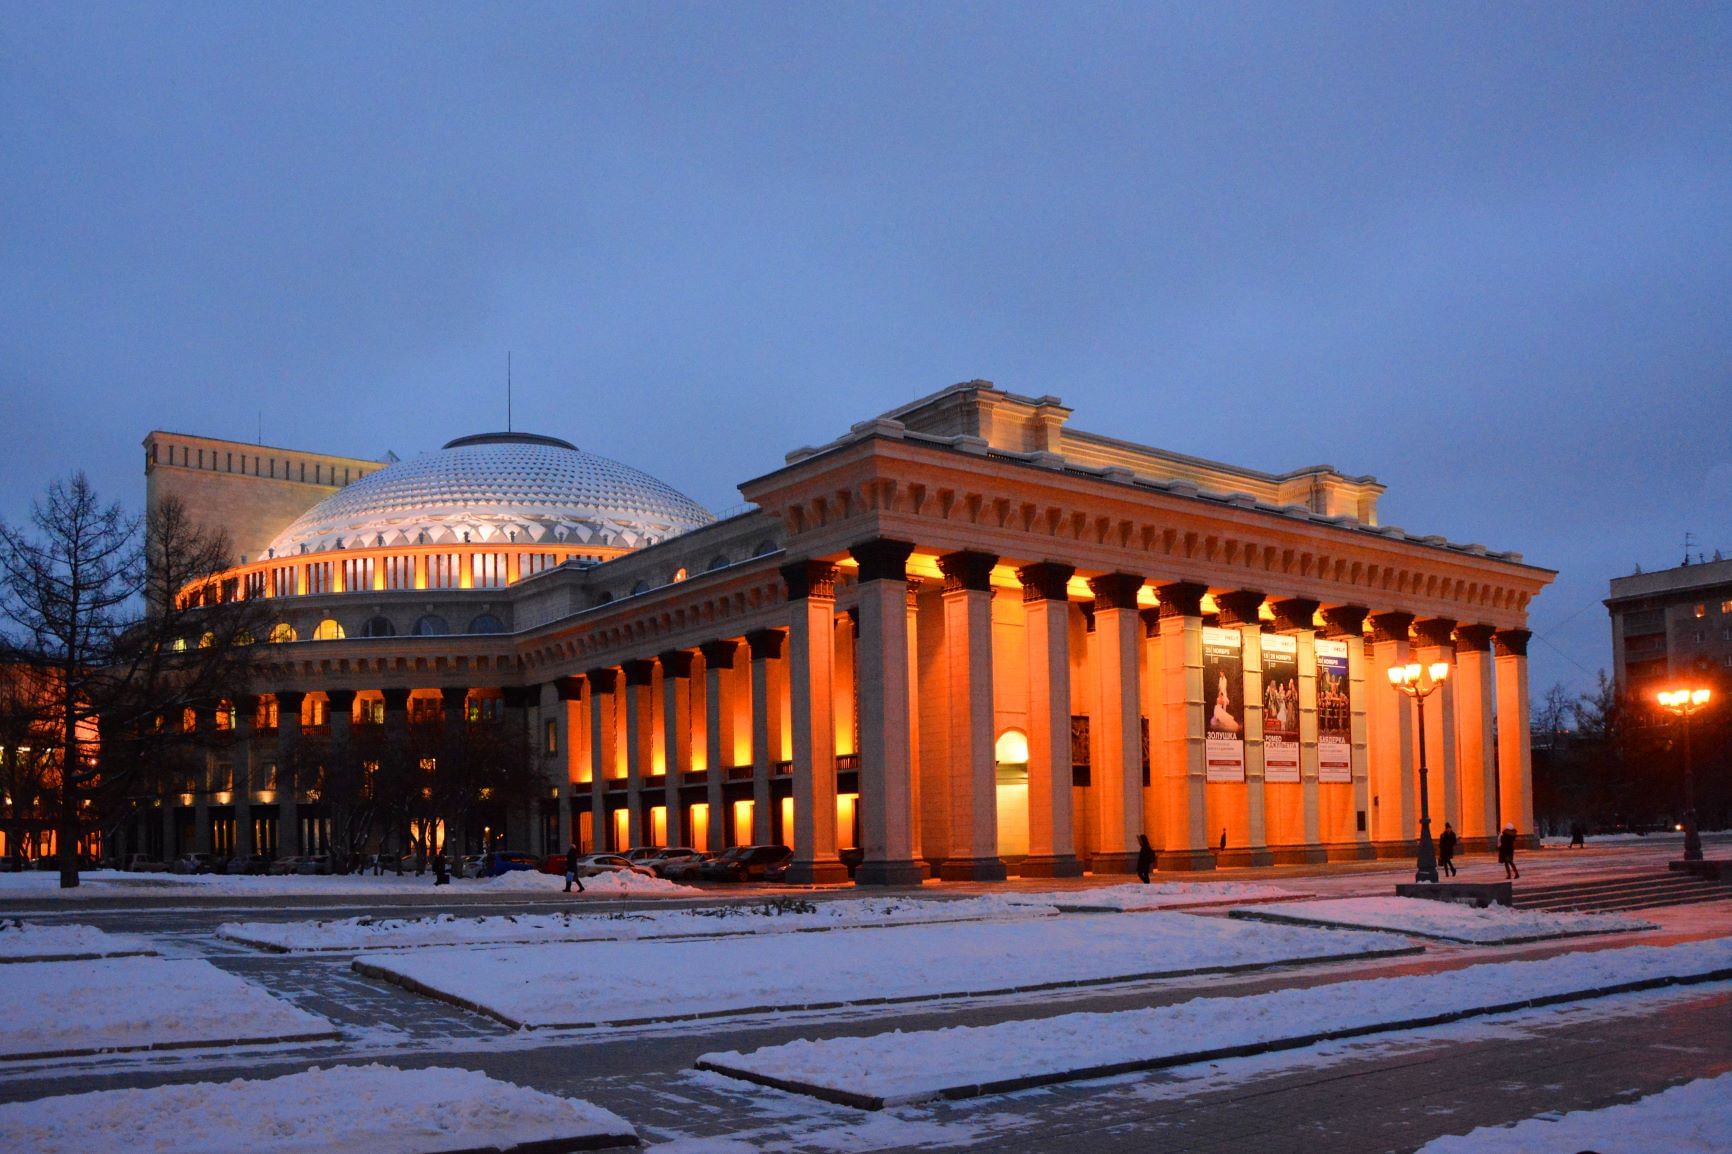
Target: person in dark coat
point(571, 856)
point(1506, 851)
point(1446, 850)
point(1145, 857)
point(1578, 835)
point(440, 877)
point(1223, 839)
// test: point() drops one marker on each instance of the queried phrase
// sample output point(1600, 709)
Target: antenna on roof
point(1689, 544)
point(261, 426)
point(508, 390)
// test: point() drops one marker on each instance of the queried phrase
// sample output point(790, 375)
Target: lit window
point(1701, 609)
point(282, 632)
point(552, 737)
point(328, 630)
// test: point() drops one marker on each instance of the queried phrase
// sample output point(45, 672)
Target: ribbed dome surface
point(496, 488)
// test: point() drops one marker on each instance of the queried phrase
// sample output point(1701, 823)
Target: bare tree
point(128, 626)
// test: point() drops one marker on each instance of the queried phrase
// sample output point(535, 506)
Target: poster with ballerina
point(1223, 705)
point(1334, 713)
point(1280, 707)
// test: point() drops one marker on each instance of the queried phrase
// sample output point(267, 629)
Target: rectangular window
point(552, 737)
point(1701, 609)
point(1726, 607)
point(372, 712)
point(424, 709)
point(486, 708)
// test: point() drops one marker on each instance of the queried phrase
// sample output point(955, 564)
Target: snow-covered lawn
point(43, 886)
point(1695, 1118)
point(32, 942)
point(376, 1109)
point(1162, 895)
point(885, 1069)
point(775, 915)
point(1448, 921)
point(140, 1003)
point(594, 983)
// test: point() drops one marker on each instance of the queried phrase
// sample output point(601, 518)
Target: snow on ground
point(582, 983)
point(1657, 838)
point(110, 884)
point(1163, 895)
point(1450, 921)
point(30, 942)
point(903, 1067)
point(1695, 1118)
point(139, 1003)
point(378, 1109)
point(776, 915)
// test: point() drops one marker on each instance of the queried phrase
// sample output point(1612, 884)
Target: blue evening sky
point(1482, 251)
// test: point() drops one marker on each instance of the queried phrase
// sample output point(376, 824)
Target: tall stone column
point(340, 714)
point(1240, 609)
point(204, 724)
point(1296, 616)
point(812, 703)
point(564, 767)
point(246, 725)
point(1515, 769)
point(1394, 773)
point(676, 734)
point(1475, 749)
point(1435, 644)
point(718, 735)
point(1346, 623)
point(515, 702)
point(603, 755)
point(1046, 618)
point(765, 646)
point(973, 778)
point(912, 616)
point(288, 771)
point(397, 741)
point(1116, 732)
point(886, 803)
point(1183, 766)
point(639, 743)
point(454, 721)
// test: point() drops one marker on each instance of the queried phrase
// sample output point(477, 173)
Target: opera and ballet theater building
point(962, 640)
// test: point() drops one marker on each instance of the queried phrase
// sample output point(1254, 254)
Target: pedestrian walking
point(1223, 839)
point(1578, 835)
point(1145, 857)
point(1506, 851)
point(440, 876)
point(571, 869)
point(1446, 850)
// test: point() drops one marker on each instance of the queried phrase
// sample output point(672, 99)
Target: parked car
point(673, 854)
point(257, 863)
point(144, 863)
point(197, 863)
point(505, 861)
point(607, 863)
point(643, 853)
point(684, 869)
point(744, 863)
point(469, 866)
point(850, 857)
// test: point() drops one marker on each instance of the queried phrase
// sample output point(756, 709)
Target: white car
point(608, 863)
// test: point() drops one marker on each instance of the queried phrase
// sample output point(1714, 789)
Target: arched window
point(640, 587)
point(379, 626)
point(328, 630)
point(679, 575)
point(487, 623)
point(1012, 748)
point(767, 545)
point(282, 631)
point(431, 625)
point(719, 561)
point(603, 597)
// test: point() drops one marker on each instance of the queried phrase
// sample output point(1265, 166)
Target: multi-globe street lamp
point(1419, 682)
point(1683, 703)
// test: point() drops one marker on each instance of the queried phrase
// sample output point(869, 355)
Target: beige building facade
point(962, 640)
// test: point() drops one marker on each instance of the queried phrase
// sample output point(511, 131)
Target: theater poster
point(1280, 707)
point(1224, 704)
point(1334, 713)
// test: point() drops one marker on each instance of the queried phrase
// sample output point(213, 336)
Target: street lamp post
point(1683, 703)
point(1419, 682)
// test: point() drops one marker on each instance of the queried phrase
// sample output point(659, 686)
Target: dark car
point(744, 863)
point(672, 856)
point(505, 861)
point(256, 863)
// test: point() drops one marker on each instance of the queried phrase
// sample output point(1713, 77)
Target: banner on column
point(1334, 712)
point(1280, 707)
point(1224, 704)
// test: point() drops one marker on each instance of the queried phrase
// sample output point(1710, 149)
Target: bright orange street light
point(1685, 702)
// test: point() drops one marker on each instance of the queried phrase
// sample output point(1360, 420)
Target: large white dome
point(496, 487)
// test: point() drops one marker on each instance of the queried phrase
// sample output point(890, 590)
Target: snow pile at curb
point(377, 1109)
point(573, 984)
point(55, 1008)
point(1162, 895)
point(770, 916)
point(1695, 1118)
point(962, 1061)
point(32, 942)
point(1448, 921)
point(618, 884)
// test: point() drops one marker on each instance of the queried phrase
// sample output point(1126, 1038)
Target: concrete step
point(1630, 892)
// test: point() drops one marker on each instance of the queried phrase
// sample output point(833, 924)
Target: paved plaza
point(1391, 1091)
